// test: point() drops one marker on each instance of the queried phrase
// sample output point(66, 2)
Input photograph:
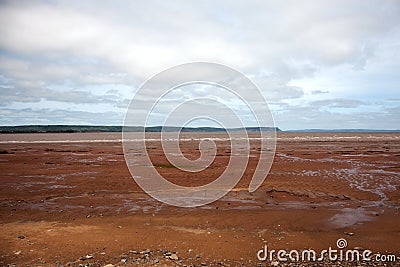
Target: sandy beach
point(69, 199)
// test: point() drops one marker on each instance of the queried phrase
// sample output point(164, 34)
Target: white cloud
point(298, 53)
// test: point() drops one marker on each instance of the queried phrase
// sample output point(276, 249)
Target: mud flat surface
point(69, 199)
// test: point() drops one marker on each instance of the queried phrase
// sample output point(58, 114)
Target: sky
point(319, 64)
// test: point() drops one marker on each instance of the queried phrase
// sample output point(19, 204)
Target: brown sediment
point(68, 199)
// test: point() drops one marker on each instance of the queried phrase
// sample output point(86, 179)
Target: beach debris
point(173, 257)
point(349, 233)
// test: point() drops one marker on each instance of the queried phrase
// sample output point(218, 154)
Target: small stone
point(21, 237)
point(123, 260)
point(147, 251)
point(203, 264)
point(89, 257)
point(18, 252)
point(133, 252)
point(349, 233)
point(274, 263)
point(173, 257)
point(198, 256)
point(109, 265)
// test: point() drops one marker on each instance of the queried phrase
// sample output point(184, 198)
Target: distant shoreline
point(112, 128)
point(105, 128)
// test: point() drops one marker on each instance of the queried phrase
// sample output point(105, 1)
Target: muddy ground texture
point(69, 199)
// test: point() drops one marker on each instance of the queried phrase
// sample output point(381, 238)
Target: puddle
point(349, 217)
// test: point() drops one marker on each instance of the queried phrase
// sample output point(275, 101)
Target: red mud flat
point(69, 199)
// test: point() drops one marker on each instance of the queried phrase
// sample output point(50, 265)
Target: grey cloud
point(317, 92)
point(338, 103)
point(58, 116)
point(34, 94)
point(307, 117)
point(73, 44)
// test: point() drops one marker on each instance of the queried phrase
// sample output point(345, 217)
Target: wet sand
point(65, 196)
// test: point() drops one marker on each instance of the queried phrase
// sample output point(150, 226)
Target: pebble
point(21, 237)
point(159, 257)
point(173, 257)
point(349, 233)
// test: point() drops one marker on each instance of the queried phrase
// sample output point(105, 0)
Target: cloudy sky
point(320, 64)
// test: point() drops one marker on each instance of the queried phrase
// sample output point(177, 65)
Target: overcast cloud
point(320, 64)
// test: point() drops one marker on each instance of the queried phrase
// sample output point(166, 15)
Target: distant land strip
point(102, 128)
point(107, 128)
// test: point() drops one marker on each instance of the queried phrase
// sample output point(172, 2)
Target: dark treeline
point(102, 128)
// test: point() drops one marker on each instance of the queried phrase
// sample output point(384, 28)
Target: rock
point(21, 237)
point(123, 260)
point(89, 257)
point(274, 263)
point(133, 252)
point(18, 252)
point(147, 251)
point(203, 264)
point(349, 233)
point(173, 257)
point(109, 265)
